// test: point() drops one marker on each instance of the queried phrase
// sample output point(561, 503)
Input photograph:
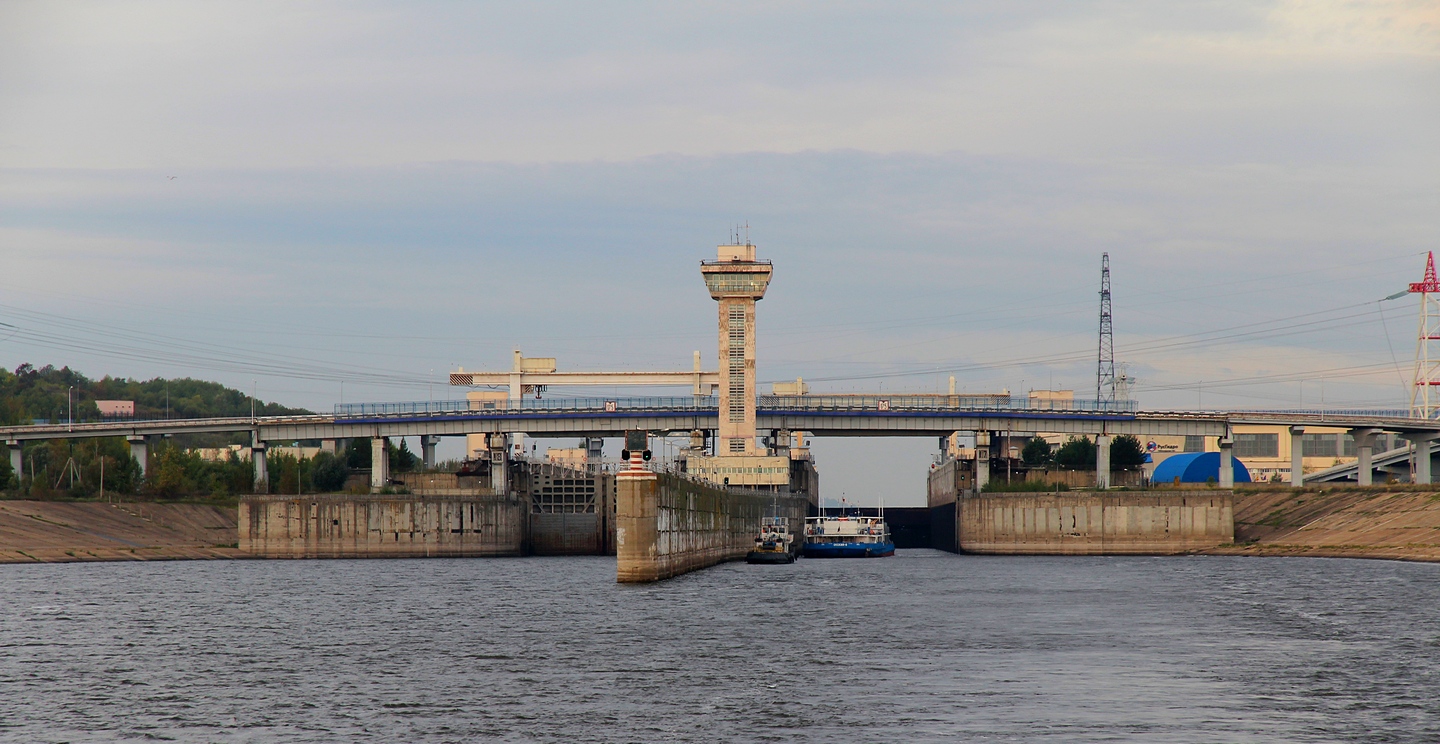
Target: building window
point(736, 329)
point(1319, 445)
point(1257, 445)
point(737, 445)
point(1193, 443)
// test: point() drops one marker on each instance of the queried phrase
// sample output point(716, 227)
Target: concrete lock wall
point(670, 525)
point(380, 526)
point(1134, 522)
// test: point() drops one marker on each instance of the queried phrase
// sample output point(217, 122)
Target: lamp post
point(69, 409)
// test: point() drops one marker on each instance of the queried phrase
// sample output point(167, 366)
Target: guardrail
point(707, 404)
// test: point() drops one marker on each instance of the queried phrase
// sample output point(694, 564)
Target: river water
point(925, 646)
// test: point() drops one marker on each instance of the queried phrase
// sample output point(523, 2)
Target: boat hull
point(769, 556)
point(849, 550)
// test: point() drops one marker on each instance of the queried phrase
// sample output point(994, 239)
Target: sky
point(329, 200)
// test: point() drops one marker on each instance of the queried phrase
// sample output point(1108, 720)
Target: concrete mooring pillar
point(262, 474)
point(17, 459)
point(427, 450)
point(138, 451)
point(1102, 462)
point(1297, 456)
point(637, 509)
point(1227, 462)
point(1364, 454)
point(379, 464)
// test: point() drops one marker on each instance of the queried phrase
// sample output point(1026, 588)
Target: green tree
point(1036, 452)
point(357, 455)
point(329, 473)
point(402, 460)
point(1126, 453)
point(1076, 454)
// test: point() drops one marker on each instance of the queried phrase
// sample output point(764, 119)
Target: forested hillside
point(31, 393)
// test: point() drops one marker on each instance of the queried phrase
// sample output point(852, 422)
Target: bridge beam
point(1364, 452)
point(1227, 462)
point(379, 464)
point(138, 451)
point(1297, 456)
point(1102, 462)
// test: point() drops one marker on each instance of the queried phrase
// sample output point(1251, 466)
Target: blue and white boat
point(847, 537)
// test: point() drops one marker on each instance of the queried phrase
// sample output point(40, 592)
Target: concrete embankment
point(53, 531)
point(1087, 523)
point(347, 526)
point(667, 525)
point(1393, 522)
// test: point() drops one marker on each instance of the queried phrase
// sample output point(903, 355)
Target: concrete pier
point(1297, 456)
point(262, 476)
point(379, 465)
point(342, 526)
point(17, 459)
point(667, 525)
point(1364, 454)
point(1116, 523)
point(1102, 462)
point(138, 451)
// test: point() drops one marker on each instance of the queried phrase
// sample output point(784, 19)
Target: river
point(925, 646)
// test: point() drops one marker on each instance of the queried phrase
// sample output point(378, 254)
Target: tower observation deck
point(737, 280)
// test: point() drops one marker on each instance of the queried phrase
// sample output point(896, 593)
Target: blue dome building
point(1196, 467)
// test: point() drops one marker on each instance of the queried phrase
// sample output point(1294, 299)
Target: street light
point(69, 409)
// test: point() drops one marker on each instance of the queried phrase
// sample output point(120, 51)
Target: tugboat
point(774, 544)
point(847, 537)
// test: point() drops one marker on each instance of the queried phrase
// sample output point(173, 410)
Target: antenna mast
point(1105, 367)
point(1427, 362)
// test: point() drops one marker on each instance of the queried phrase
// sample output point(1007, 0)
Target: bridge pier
point(17, 458)
point(1364, 452)
point(327, 445)
point(427, 450)
point(257, 458)
point(138, 451)
point(1297, 456)
point(1227, 462)
point(982, 460)
point(1102, 462)
point(379, 465)
point(1421, 456)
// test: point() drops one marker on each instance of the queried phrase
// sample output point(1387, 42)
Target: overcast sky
point(305, 195)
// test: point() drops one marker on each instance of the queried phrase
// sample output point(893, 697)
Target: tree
point(329, 473)
point(1126, 453)
point(1036, 452)
point(402, 460)
point(1076, 454)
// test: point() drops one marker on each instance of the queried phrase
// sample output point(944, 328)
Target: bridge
point(847, 415)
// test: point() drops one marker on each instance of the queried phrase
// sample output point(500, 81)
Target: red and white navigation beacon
point(637, 451)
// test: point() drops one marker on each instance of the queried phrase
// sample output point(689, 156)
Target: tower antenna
point(1105, 367)
point(1427, 363)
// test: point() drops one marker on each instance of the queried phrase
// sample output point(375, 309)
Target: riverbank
point(1397, 523)
point(59, 531)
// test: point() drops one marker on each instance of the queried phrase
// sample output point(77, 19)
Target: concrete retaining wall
point(667, 525)
point(341, 526)
point(1126, 522)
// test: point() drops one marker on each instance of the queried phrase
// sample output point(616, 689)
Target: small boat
point(847, 537)
point(774, 544)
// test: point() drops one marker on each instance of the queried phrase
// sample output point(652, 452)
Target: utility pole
point(1105, 367)
point(1423, 404)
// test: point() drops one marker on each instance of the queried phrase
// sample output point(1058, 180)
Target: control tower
point(737, 280)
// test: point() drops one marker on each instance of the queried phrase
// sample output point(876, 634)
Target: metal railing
point(707, 404)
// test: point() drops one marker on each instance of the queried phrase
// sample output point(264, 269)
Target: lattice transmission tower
point(1424, 400)
point(1105, 367)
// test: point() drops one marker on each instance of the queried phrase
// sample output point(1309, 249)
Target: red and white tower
point(1424, 399)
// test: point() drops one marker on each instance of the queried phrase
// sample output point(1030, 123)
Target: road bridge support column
point(138, 451)
point(1297, 456)
point(1102, 462)
point(1421, 464)
point(17, 459)
point(379, 464)
point(982, 460)
point(262, 474)
point(1364, 452)
point(327, 445)
point(1227, 462)
point(427, 450)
